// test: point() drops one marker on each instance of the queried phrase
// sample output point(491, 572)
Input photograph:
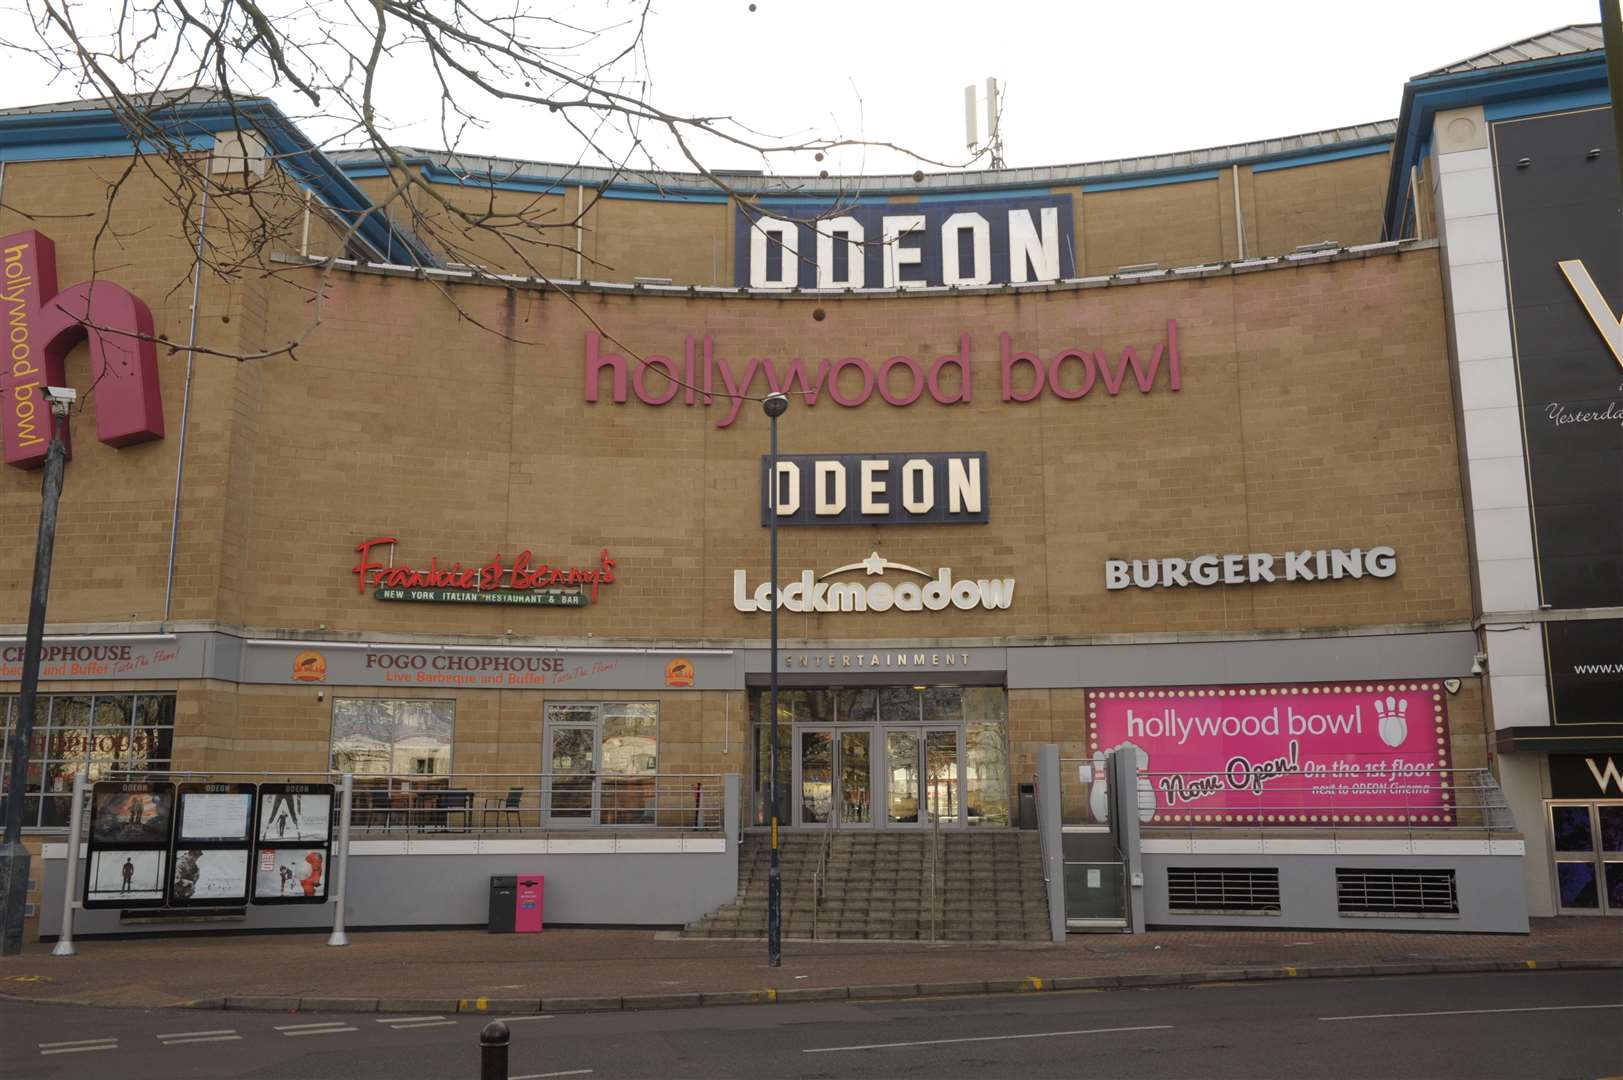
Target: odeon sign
point(813, 592)
point(43, 324)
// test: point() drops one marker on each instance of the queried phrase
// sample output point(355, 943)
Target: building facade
point(1211, 454)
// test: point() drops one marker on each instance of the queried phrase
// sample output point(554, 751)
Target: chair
point(509, 805)
point(456, 801)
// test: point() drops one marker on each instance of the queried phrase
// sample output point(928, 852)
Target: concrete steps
point(910, 886)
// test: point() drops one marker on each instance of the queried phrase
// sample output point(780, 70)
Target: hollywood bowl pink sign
point(1321, 754)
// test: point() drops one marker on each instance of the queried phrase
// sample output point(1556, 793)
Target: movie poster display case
point(213, 845)
point(293, 844)
point(128, 853)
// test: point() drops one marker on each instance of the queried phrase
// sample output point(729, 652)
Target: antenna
point(993, 138)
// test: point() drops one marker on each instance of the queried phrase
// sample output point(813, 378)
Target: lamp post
point(775, 405)
point(13, 856)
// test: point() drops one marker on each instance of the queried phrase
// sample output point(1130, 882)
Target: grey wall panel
point(1388, 656)
point(453, 890)
point(1492, 894)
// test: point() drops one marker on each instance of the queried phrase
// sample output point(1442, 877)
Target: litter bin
point(527, 905)
point(503, 903)
point(1028, 806)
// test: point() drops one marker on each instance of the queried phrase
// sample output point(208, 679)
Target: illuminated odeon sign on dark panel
point(882, 244)
point(877, 489)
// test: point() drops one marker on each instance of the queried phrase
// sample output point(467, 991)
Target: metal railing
point(1373, 796)
point(505, 803)
point(820, 876)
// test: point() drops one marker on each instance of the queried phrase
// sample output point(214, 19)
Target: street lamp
point(13, 856)
point(775, 405)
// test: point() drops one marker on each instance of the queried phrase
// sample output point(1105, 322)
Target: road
point(1523, 1025)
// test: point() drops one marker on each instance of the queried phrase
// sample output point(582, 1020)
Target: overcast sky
point(1082, 80)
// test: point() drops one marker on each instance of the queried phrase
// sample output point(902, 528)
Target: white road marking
point(331, 1028)
point(407, 1019)
point(1470, 1012)
point(233, 1037)
point(983, 1038)
point(321, 1031)
point(421, 1024)
point(77, 1046)
point(545, 1076)
point(189, 1034)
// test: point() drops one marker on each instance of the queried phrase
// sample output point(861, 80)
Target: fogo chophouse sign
point(521, 580)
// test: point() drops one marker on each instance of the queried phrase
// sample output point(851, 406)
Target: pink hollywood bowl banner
point(1314, 754)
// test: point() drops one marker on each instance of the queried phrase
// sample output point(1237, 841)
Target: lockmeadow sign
point(520, 581)
point(814, 592)
point(877, 489)
point(1323, 564)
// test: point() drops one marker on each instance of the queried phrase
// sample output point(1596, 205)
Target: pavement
point(1522, 1025)
point(591, 970)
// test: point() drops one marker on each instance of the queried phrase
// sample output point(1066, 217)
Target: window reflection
point(1572, 829)
point(384, 736)
point(97, 734)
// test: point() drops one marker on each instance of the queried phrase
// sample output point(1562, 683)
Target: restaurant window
point(100, 734)
point(600, 762)
point(392, 736)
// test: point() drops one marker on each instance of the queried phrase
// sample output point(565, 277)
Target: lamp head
point(775, 404)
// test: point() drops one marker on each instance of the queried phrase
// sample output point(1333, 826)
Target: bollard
point(493, 1042)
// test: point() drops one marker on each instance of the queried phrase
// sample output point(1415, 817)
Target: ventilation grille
point(1235, 890)
point(1396, 892)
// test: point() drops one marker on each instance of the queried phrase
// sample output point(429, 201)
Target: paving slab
point(660, 1001)
point(512, 1006)
point(434, 972)
point(580, 1004)
point(262, 1003)
point(884, 990)
point(318, 1003)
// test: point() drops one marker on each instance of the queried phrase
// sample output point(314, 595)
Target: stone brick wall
point(1314, 412)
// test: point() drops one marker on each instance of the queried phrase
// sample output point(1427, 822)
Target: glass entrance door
point(814, 775)
point(943, 795)
point(570, 795)
point(856, 776)
point(902, 771)
point(1586, 839)
point(834, 776)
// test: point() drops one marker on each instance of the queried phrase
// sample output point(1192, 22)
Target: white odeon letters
point(1323, 564)
point(1033, 250)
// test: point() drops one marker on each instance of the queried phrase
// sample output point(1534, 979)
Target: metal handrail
point(819, 875)
point(506, 802)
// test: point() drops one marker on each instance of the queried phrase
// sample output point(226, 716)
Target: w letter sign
point(43, 325)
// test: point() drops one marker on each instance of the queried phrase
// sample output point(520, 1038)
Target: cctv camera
point(1476, 664)
point(61, 398)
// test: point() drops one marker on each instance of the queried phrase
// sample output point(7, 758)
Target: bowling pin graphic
point(1392, 717)
point(1146, 790)
point(1099, 792)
